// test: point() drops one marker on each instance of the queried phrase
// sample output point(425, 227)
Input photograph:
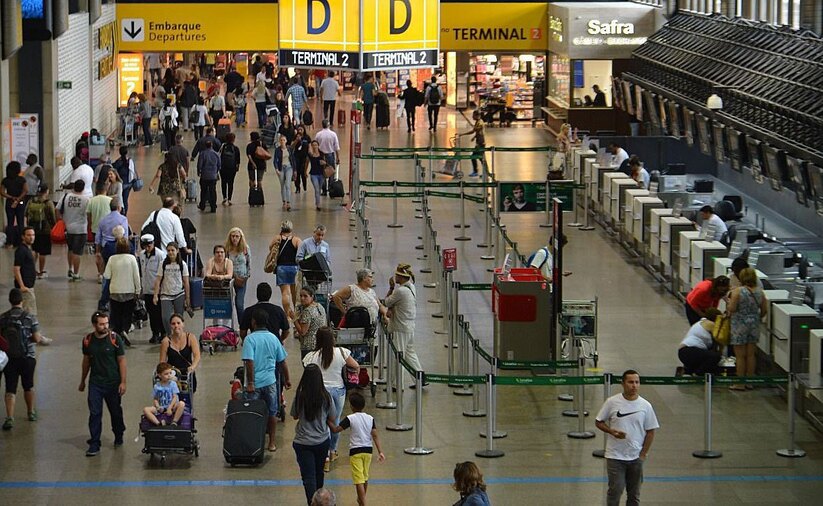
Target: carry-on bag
point(256, 197)
point(244, 432)
point(191, 190)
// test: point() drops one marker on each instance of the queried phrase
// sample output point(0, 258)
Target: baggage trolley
point(165, 439)
point(361, 343)
point(218, 312)
point(451, 166)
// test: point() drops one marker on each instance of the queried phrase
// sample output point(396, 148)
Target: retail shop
point(589, 44)
point(494, 56)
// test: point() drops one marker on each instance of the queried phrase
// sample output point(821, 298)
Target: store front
point(494, 56)
point(589, 44)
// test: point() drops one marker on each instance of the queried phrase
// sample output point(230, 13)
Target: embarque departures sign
point(359, 34)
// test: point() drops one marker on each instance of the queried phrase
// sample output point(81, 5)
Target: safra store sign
point(605, 30)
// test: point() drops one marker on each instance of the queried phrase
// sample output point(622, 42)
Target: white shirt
point(361, 425)
point(333, 376)
point(619, 157)
point(645, 178)
point(403, 304)
point(632, 417)
point(150, 268)
point(201, 121)
point(261, 76)
point(86, 173)
point(327, 141)
point(697, 337)
point(329, 88)
point(544, 261)
point(173, 280)
point(170, 111)
point(171, 230)
point(720, 227)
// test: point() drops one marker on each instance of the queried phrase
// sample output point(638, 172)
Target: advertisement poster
point(23, 137)
point(526, 196)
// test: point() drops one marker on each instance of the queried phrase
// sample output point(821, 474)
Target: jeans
point(624, 475)
point(227, 183)
point(328, 109)
point(434, 112)
point(97, 394)
point(170, 307)
point(184, 116)
point(126, 193)
point(147, 139)
point(208, 190)
point(310, 459)
point(285, 183)
point(317, 183)
point(155, 316)
point(261, 113)
point(121, 315)
point(338, 398)
point(239, 299)
point(367, 112)
point(14, 221)
point(240, 115)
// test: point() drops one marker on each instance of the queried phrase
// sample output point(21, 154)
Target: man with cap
point(400, 307)
point(150, 259)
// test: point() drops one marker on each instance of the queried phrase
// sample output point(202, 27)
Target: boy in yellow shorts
point(363, 437)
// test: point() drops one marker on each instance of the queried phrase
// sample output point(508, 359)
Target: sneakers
point(474, 174)
point(679, 371)
point(33, 416)
point(45, 341)
point(327, 465)
point(334, 455)
point(93, 451)
point(42, 274)
point(118, 440)
point(8, 424)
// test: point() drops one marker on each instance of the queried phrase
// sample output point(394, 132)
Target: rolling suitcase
point(256, 198)
point(191, 190)
point(195, 282)
point(336, 190)
point(244, 432)
point(382, 120)
point(223, 128)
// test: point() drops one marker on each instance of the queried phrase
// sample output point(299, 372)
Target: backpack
point(112, 338)
point(121, 165)
point(545, 258)
point(167, 122)
point(194, 115)
point(153, 229)
point(357, 318)
point(15, 335)
point(435, 97)
point(36, 214)
point(227, 159)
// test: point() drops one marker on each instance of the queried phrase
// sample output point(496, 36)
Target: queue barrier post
point(499, 245)
point(372, 163)
point(464, 389)
point(791, 451)
point(491, 427)
point(576, 221)
point(431, 167)
point(707, 452)
point(587, 196)
point(389, 403)
point(453, 327)
point(418, 448)
point(424, 236)
point(398, 426)
point(475, 411)
point(607, 392)
point(581, 432)
point(486, 223)
point(445, 281)
point(418, 179)
point(548, 223)
point(381, 356)
point(462, 225)
point(489, 452)
point(394, 223)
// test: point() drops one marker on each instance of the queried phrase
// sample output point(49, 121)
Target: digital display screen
point(627, 97)
point(688, 126)
point(638, 102)
point(651, 109)
point(733, 144)
point(617, 91)
point(704, 138)
point(796, 170)
point(816, 182)
point(674, 118)
point(33, 9)
point(774, 167)
point(755, 160)
point(718, 131)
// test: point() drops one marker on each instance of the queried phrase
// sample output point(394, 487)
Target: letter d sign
point(393, 29)
point(326, 17)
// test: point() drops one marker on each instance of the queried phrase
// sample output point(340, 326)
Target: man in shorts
point(262, 351)
point(72, 210)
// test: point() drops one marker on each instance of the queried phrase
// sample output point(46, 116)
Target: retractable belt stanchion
point(548, 223)
point(435, 273)
point(431, 167)
point(568, 397)
point(607, 392)
point(587, 196)
point(489, 452)
point(389, 403)
point(475, 411)
point(372, 163)
point(361, 235)
point(425, 237)
point(367, 256)
point(462, 225)
point(486, 222)
point(398, 426)
point(419, 176)
point(463, 347)
point(791, 451)
point(445, 283)
point(581, 432)
point(576, 221)
point(576, 355)
point(492, 409)
point(707, 452)
point(381, 356)
point(453, 326)
point(499, 245)
point(418, 448)
point(394, 223)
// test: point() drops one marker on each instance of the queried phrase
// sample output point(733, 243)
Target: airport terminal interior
point(630, 259)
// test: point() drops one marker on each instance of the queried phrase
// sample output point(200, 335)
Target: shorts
point(260, 174)
point(360, 464)
point(76, 243)
point(286, 274)
point(17, 368)
point(30, 302)
point(42, 244)
point(269, 395)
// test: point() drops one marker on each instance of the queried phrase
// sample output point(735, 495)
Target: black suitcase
point(382, 115)
point(256, 197)
point(169, 439)
point(244, 433)
point(336, 190)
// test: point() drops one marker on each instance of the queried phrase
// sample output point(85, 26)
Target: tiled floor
point(640, 326)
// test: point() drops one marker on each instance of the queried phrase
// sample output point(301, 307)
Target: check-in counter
point(654, 229)
point(682, 256)
point(723, 267)
point(790, 333)
point(774, 297)
point(606, 191)
point(702, 259)
point(579, 157)
point(642, 210)
point(618, 198)
point(628, 207)
point(816, 360)
point(670, 228)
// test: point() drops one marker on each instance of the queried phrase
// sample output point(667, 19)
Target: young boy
point(165, 397)
point(363, 435)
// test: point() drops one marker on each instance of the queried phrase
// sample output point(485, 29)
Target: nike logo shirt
point(632, 417)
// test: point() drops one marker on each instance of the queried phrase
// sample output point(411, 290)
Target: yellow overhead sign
point(493, 26)
point(173, 27)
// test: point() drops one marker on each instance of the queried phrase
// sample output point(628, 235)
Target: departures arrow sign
point(133, 29)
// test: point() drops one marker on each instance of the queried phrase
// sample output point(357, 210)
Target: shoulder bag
point(270, 264)
point(722, 329)
point(351, 375)
point(261, 153)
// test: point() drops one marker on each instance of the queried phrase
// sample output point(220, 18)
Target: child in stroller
point(166, 395)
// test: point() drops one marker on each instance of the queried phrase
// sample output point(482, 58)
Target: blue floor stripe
point(411, 481)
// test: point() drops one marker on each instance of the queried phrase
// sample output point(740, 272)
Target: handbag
point(137, 184)
point(4, 360)
point(722, 329)
point(328, 171)
point(261, 154)
point(351, 376)
point(58, 232)
point(271, 259)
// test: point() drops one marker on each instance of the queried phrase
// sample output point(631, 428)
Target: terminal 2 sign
point(359, 34)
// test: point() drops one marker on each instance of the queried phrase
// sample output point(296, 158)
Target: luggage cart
point(218, 312)
point(129, 137)
point(361, 343)
point(166, 439)
point(319, 279)
point(451, 166)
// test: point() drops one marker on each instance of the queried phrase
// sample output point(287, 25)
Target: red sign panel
point(450, 259)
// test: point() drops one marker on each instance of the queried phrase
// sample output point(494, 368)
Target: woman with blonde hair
point(468, 481)
point(747, 307)
point(237, 250)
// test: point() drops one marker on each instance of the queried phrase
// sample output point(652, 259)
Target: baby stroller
point(356, 331)
point(451, 166)
point(165, 439)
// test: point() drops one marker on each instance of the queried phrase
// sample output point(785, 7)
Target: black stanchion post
point(475, 412)
point(462, 225)
point(581, 432)
point(398, 426)
point(381, 356)
point(418, 448)
point(548, 223)
point(445, 283)
point(707, 452)
point(464, 356)
point(489, 452)
point(394, 223)
point(607, 392)
point(791, 451)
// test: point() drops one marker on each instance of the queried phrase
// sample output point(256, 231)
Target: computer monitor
point(816, 185)
point(675, 169)
point(733, 145)
point(628, 97)
point(638, 102)
point(674, 118)
point(755, 158)
point(799, 177)
point(688, 126)
point(651, 110)
point(703, 136)
point(775, 164)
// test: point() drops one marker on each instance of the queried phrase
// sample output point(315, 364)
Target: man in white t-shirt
point(630, 422)
point(543, 259)
point(619, 155)
point(82, 172)
point(329, 91)
point(711, 219)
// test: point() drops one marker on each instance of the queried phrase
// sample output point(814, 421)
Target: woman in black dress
point(181, 350)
